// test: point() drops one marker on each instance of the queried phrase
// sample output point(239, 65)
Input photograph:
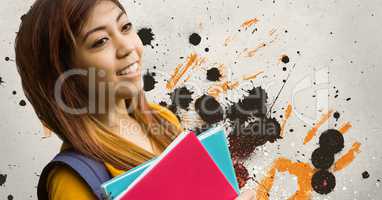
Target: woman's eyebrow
point(101, 27)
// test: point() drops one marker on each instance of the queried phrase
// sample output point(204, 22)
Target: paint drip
point(149, 81)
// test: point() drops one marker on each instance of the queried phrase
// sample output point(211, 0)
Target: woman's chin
point(130, 91)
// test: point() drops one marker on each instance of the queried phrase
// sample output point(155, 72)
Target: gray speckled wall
point(334, 50)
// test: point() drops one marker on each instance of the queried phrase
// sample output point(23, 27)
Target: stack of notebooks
point(190, 167)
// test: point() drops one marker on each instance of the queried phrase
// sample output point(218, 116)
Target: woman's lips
point(130, 71)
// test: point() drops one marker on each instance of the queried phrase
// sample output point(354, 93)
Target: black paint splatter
point(200, 129)
point(22, 103)
point(7, 58)
point(322, 159)
point(323, 182)
point(213, 74)
point(10, 197)
point(253, 104)
point(163, 103)
point(209, 109)
point(146, 36)
point(365, 175)
point(3, 178)
point(348, 99)
point(195, 39)
point(181, 97)
point(1, 81)
point(14, 92)
point(285, 59)
point(250, 125)
point(149, 81)
point(332, 140)
point(336, 115)
point(207, 49)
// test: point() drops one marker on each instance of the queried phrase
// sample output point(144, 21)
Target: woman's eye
point(126, 27)
point(99, 43)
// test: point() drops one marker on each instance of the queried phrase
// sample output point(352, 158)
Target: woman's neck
point(115, 114)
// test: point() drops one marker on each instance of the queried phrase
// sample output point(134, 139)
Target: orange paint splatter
point(346, 159)
point(314, 130)
point(303, 172)
point(223, 87)
point(229, 85)
point(345, 127)
point(252, 52)
point(253, 76)
point(221, 67)
point(178, 75)
point(228, 40)
point(273, 31)
point(249, 23)
point(287, 114)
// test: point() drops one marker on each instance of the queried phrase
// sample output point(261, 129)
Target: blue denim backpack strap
point(93, 172)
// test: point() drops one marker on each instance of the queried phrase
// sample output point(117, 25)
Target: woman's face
point(109, 44)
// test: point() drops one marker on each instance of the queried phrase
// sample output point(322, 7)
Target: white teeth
point(131, 69)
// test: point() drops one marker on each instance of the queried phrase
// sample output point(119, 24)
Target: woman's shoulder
point(64, 183)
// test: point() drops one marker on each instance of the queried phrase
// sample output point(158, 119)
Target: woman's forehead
point(103, 13)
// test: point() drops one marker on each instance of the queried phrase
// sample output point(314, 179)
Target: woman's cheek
point(104, 60)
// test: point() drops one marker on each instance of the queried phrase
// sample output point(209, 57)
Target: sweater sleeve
point(64, 184)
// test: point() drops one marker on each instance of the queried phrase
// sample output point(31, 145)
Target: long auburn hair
point(44, 46)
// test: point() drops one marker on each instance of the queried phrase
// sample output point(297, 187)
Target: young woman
point(80, 65)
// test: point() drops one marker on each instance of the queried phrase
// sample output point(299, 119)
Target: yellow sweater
point(65, 184)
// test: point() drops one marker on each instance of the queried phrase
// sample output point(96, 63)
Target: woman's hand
point(247, 195)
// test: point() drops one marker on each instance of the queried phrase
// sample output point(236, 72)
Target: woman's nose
point(124, 46)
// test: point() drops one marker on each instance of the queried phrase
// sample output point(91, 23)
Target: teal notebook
point(213, 140)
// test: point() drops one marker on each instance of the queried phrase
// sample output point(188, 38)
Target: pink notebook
point(184, 171)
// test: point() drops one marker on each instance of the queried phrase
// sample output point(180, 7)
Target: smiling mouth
point(132, 68)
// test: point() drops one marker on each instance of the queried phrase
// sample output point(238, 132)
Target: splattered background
point(306, 73)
